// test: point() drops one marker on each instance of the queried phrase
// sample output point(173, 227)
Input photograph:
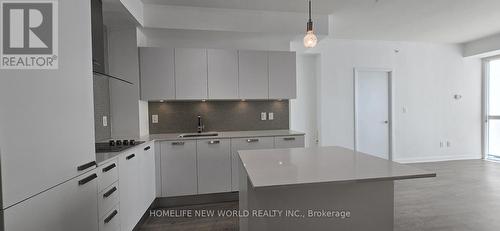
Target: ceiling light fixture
point(310, 40)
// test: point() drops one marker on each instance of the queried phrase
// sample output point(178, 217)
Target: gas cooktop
point(116, 145)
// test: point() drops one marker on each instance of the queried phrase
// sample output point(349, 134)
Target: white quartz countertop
point(224, 135)
point(281, 167)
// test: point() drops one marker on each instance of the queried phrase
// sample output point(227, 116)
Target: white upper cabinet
point(191, 74)
point(282, 75)
point(157, 73)
point(197, 74)
point(222, 74)
point(253, 75)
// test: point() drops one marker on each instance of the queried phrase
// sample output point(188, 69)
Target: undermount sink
point(186, 135)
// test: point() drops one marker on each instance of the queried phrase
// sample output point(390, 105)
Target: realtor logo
point(29, 35)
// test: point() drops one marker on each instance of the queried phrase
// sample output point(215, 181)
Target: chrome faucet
point(201, 126)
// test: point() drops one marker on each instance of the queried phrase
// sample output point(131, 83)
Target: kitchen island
point(326, 188)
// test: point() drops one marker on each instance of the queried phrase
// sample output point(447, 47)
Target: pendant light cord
point(310, 20)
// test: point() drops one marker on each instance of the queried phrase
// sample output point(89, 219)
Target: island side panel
point(244, 184)
point(371, 206)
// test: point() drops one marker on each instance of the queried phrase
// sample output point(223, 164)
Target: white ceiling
point(446, 21)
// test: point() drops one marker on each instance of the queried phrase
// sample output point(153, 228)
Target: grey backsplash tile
point(178, 117)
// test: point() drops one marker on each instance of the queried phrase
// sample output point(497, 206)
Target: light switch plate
point(104, 121)
point(154, 119)
point(271, 116)
point(263, 116)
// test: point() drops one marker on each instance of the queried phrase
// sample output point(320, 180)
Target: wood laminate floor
point(465, 196)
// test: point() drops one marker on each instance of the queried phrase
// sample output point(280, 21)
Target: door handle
point(130, 157)
point(289, 138)
point(108, 193)
point(252, 140)
point(110, 217)
point(386, 122)
point(178, 143)
point(87, 179)
point(111, 166)
point(87, 165)
point(147, 148)
point(214, 142)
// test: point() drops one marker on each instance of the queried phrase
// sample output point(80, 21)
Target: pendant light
point(310, 40)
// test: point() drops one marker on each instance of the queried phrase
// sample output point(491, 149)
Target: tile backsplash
point(179, 117)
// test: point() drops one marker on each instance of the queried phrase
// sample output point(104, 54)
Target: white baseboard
point(437, 159)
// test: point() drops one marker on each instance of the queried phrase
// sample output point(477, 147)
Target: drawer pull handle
point(108, 193)
point(252, 140)
point(147, 148)
point(214, 142)
point(106, 169)
point(87, 179)
point(87, 165)
point(289, 138)
point(130, 157)
point(110, 217)
point(178, 143)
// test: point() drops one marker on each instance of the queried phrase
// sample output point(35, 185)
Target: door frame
point(390, 99)
point(485, 103)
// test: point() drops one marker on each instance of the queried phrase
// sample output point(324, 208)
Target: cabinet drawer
point(289, 141)
point(108, 174)
point(107, 199)
point(110, 221)
point(245, 144)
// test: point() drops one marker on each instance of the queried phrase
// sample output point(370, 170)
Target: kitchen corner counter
point(281, 167)
point(224, 135)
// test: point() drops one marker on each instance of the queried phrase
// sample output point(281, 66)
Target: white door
point(372, 113)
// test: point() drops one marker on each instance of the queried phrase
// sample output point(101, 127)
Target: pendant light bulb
point(310, 40)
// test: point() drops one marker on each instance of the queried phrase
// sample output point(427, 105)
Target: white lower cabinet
point(245, 144)
point(214, 166)
point(289, 142)
point(147, 176)
point(178, 168)
point(129, 190)
point(71, 205)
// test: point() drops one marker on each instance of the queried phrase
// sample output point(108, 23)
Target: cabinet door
point(190, 74)
point(245, 144)
point(178, 168)
point(128, 168)
point(222, 74)
point(282, 75)
point(157, 73)
point(214, 166)
point(68, 206)
point(147, 175)
point(253, 75)
point(289, 142)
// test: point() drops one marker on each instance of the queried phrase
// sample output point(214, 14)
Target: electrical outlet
point(104, 121)
point(263, 116)
point(405, 109)
point(271, 115)
point(154, 119)
point(448, 144)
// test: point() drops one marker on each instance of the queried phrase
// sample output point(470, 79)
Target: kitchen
point(153, 114)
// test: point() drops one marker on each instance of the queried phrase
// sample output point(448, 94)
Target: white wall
point(484, 47)
point(303, 110)
point(426, 76)
point(212, 39)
